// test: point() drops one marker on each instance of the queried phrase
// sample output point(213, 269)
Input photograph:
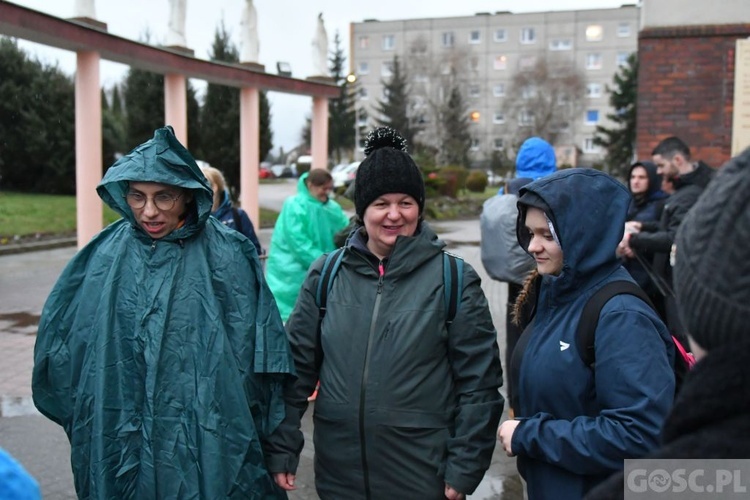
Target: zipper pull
point(381, 272)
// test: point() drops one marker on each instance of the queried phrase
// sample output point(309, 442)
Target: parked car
point(265, 172)
point(345, 176)
point(282, 171)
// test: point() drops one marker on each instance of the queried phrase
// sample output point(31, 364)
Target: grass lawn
point(23, 215)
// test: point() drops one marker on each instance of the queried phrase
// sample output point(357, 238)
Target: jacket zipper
point(365, 374)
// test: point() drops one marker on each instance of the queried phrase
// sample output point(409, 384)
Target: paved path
point(25, 282)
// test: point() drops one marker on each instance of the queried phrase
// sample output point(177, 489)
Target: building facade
point(686, 79)
point(501, 62)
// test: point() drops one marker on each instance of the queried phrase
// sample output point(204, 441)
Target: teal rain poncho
point(304, 231)
point(164, 359)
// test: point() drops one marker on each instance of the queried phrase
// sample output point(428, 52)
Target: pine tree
point(456, 139)
point(394, 109)
point(37, 134)
point(113, 129)
point(619, 141)
point(143, 94)
point(341, 113)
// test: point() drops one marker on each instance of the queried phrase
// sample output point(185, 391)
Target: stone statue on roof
point(249, 44)
point(320, 49)
point(176, 33)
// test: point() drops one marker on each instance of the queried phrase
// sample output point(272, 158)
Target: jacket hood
point(588, 209)
point(164, 160)
point(535, 159)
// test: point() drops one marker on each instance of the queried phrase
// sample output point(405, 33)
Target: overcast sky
point(285, 28)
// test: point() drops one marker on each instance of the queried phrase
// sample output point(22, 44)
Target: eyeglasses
point(163, 201)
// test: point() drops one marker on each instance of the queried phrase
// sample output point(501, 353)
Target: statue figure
point(249, 44)
point(320, 49)
point(176, 34)
point(85, 8)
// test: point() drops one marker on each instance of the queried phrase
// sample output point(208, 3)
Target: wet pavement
point(42, 447)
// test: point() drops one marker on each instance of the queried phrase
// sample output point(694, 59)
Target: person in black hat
point(408, 397)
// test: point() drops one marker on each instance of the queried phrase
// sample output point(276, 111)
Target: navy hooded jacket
point(579, 423)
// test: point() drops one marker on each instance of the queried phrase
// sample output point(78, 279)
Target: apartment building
point(481, 54)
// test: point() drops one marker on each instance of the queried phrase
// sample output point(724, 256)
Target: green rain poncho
point(304, 231)
point(164, 359)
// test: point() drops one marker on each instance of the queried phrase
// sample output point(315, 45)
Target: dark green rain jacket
point(406, 404)
point(163, 360)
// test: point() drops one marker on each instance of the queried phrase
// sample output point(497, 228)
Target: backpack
point(452, 273)
point(586, 330)
point(502, 256)
point(586, 334)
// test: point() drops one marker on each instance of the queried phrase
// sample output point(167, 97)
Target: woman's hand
point(285, 480)
point(505, 435)
point(452, 494)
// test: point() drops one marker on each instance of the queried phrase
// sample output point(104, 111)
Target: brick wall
point(686, 88)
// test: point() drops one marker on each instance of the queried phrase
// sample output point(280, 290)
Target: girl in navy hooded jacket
point(575, 424)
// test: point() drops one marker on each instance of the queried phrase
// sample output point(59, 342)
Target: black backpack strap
point(586, 331)
point(330, 267)
point(453, 272)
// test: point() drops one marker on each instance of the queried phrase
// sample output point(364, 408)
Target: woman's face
point(387, 217)
point(155, 216)
point(322, 192)
point(546, 252)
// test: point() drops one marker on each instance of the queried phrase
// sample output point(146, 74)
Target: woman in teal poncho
point(160, 349)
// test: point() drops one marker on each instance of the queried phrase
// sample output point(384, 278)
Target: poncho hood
point(164, 160)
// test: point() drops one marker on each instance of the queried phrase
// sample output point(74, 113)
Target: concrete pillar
point(88, 123)
point(250, 152)
point(175, 105)
point(319, 133)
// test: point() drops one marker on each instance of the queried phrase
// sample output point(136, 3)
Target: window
point(389, 42)
point(475, 144)
point(363, 94)
point(589, 146)
point(498, 117)
point(623, 29)
point(386, 69)
point(526, 63)
point(593, 61)
point(498, 90)
point(622, 58)
point(474, 91)
point(364, 42)
point(501, 35)
point(445, 68)
point(528, 35)
point(528, 92)
point(362, 143)
point(592, 117)
point(561, 44)
point(474, 64)
point(501, 62)
point(525, 119)
point(594, 33)
point(448, 39)
point(421, 78)
point(363, 68)
point(498, 144)
point(475, 37)
point(593, 90)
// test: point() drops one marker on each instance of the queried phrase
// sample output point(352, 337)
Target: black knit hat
point(387, 168)
point(712, 269)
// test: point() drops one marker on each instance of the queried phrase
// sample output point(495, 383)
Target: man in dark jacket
point(646, 205)
point(712, 284)
point(673, 163)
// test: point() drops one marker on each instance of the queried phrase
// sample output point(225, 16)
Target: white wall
point(664, 13)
